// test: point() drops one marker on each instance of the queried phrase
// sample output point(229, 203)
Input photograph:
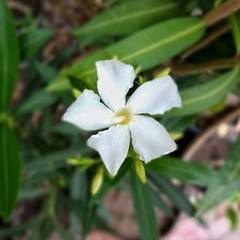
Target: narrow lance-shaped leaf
point(89, 213)
point(234, 22)
point(9, 56)
point(174, 193)
point(159, 202)
point(64, 234)
point(19, 228)
point(52, 161)
point(37, 100)
point(32, 41)
point(220, 192)
point(77, 191)
point(199, 98)
point(188, 172)
point(121, 19)
point(31, 193)
point(143, 205)
point(46, 72)
point(177, 124)
point(147, 48)
point(9, 171)
point(66, 129)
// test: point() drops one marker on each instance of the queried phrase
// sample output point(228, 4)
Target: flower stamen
point(123, 116)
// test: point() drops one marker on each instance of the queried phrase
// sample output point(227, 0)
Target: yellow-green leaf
point(147, 48)
point(120, 19)
point(200, 98)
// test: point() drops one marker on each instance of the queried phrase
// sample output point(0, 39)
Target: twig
point(19, 6)
point(203, 137)
point(206, 40)
point(206, 66)
point(222, 11)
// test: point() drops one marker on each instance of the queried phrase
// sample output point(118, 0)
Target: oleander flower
point(123, 118)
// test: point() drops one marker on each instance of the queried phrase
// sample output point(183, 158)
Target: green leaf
point(9, 56)
point(89, 217)
point(232, 217)
point(89, 212)
point(77, 83)
point(53, 161)
point(66, 129)
point(32, 41)
point(143, 205)
point(121, 20)
point(161, 204)
point(77, 190)
point(176, 124)
point(37, 100)
point(33, 193)
point(174, 193)
point(83, 211)
point(217, 3)
point(217, 193)
point(72, 205)
point(200, 98)
point(46, 72)
point(64, 56)
point(188, 172)
point(235, 26)
point(18, 229)
point(9, 171)
point(64, 234)
point(147, 48)
point(232, 162)
point(109, 183)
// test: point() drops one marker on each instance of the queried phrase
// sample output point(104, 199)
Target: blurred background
point(194, 193)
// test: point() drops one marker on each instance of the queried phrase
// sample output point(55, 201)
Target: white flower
point(149, 138)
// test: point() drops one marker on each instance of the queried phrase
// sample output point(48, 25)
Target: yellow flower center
point(123, 116)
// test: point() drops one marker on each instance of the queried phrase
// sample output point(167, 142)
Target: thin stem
point(206, 66)
point(19, 6)
point(222, 11)
point(206, 40)
point(203, 137)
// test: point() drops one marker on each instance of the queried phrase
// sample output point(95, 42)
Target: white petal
point(155, 97)
point(149, 138)
point(88, 113)
point(114, 80)
point(112, 145)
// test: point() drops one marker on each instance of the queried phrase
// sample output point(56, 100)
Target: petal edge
point(88, 113)
point(114, 80)
point(112, 145)
point(155, 97)
point(150, 139)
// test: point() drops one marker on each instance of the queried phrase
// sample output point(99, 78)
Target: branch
point(222, 11)
point(206, 66)
point(206, 40)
